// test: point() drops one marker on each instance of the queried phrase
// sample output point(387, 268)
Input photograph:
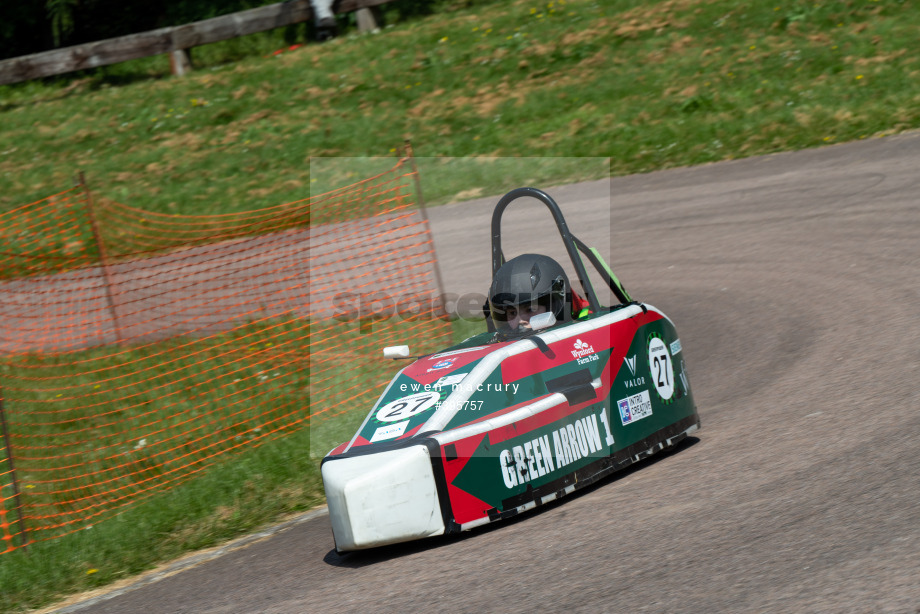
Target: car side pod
point(382, 498)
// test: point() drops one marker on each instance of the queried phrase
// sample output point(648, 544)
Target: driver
point(523, 287)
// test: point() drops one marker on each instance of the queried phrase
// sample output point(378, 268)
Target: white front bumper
point(382, 498)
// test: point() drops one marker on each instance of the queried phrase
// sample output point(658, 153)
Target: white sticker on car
point(390, 431)
point(450, 380)
point(409, 406)
point(634, 408)
point(659, 363)
point(675, 347)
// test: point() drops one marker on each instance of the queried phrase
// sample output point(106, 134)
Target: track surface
point(793, 281)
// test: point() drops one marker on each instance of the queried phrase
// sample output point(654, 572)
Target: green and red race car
point(513, 418)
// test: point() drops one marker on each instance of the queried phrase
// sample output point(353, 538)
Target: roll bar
point(572, 245)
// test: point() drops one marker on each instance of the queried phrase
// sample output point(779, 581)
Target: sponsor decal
point(635, 382)
point(454, 352)
point(584, 352)
point(631, 363)
point(659, 362)
point(406, 407)
point(675, 347)
point(582, 349)
point(444, 364)
point(390, 431)
point(448, 380)
point(553, 451)
point(634, 408)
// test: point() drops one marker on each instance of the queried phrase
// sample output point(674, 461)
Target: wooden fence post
point(175, 40)
point(179, 62)
point(366, 20)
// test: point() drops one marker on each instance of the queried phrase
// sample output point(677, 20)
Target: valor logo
point(635, 381)
point(631, 363)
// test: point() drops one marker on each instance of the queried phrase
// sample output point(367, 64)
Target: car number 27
point(406, 407)
point(659, 361)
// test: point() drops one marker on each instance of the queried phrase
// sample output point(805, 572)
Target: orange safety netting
point(137, 349)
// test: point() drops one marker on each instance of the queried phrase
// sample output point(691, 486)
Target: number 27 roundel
point(662, 369)
point(406, 407)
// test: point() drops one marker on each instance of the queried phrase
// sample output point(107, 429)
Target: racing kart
point(495, 426)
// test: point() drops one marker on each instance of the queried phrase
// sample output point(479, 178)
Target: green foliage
point(234, 498)
point(23, 29)
point(242, 489)
point(648, 85)
point(184, 11)
point(61, 14)
point(60, 23)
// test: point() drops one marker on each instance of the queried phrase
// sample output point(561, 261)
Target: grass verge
point(125, 418)
point(650, 85)
point(231, 499)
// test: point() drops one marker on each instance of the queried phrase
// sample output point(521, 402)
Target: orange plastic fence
point(137, 349)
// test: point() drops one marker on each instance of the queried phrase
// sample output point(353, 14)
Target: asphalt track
point(793, 281)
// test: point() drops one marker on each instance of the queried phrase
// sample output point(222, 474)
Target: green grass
point(236, 405)
point(493, 96)
point(449, 179)
point(233, 498)
point(649, 85)
point(216, 430)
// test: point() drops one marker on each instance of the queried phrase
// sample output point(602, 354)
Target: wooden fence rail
point(174, 41)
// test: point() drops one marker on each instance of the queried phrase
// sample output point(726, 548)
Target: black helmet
point(527, 279)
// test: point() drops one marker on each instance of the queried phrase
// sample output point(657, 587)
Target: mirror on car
point(396, 351)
